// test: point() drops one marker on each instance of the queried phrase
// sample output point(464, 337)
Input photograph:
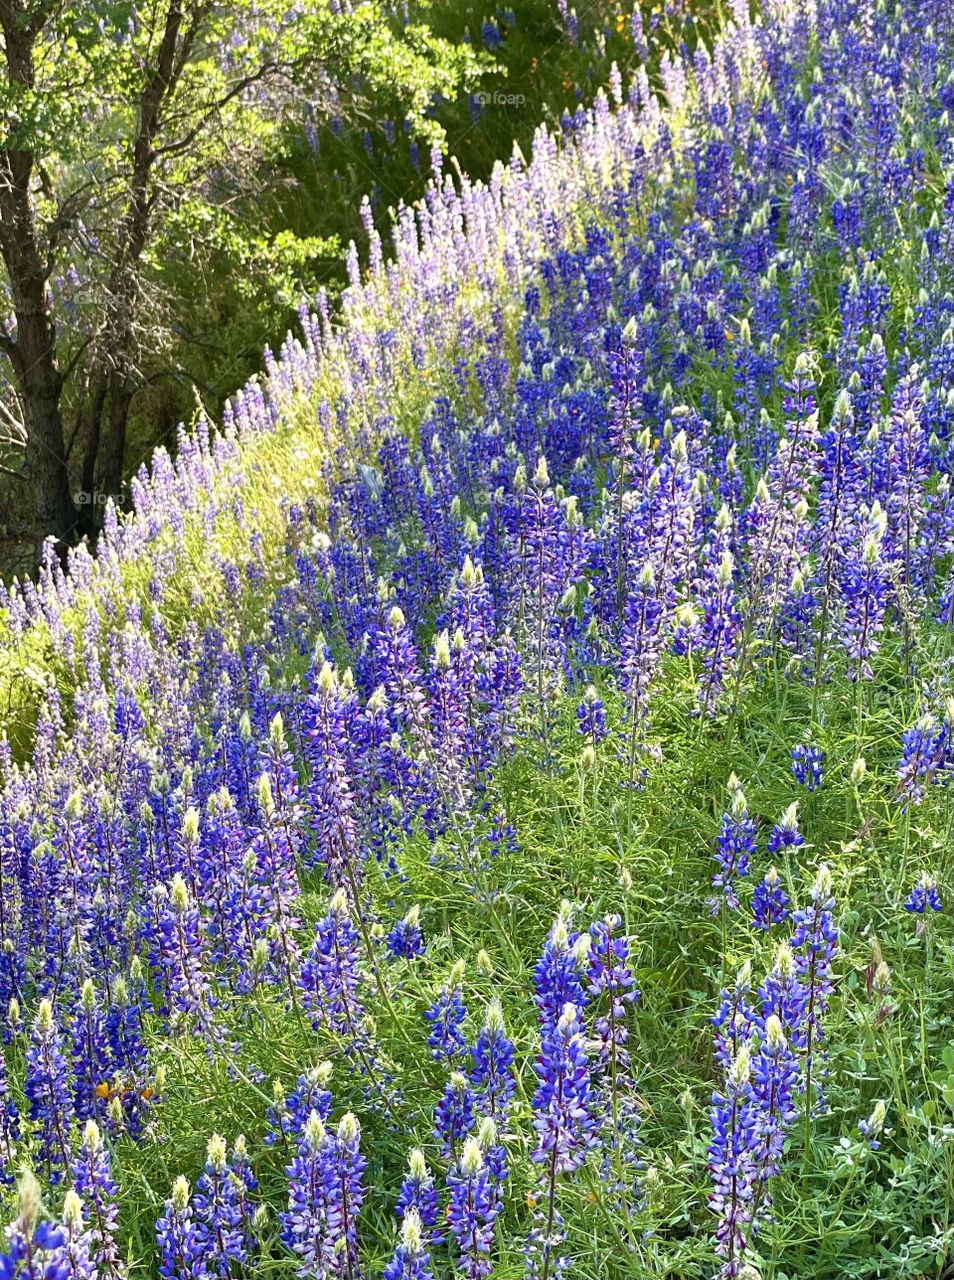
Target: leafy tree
point(132, 137)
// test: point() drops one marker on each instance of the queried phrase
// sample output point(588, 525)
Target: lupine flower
point(35, 1248)
point(47, 1092)
point(563, 1120)
point(491, 1070)
point(76, 1251)
point(419, 1192)
point(864, 589)
point(871, 1128)
point(591, 717)
point(732, 1166)
point(93, 1180)
point(735, 845)
point(815, 943)
point(924, 749)
point(472, 1211)
point(735, 1016)
point(331, 980)
point(808, 765)
point(411, 1259)
point(9, 1126)
point(557, 977)
point(785, 833)
point(924, 896)
point(305, 1223)
point(183, 1254)
point(91, 1057)
point(454, 1115)
point(769, 901)
point(774, 1079)
point(219, 1212)
point(344, 1193)
point(405, 941)
point(446, 1016)
point(782, 994)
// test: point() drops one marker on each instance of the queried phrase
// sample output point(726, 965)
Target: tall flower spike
point(219, 1213)
point(92, 1178)
point(735, 845)
point(182, 1250)
point(769, 901)
point(411, 1259)
point(472, 1211)
point(491, 1070)
point(47, 1092)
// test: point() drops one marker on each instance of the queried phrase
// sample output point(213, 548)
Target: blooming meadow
point(487, 812)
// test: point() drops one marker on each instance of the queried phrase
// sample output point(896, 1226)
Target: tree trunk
point(114, 448)
point(32, 351)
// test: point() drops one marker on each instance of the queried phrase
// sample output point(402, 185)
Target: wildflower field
point(488, 811)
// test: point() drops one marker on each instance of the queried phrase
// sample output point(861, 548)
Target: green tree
point(129, 135)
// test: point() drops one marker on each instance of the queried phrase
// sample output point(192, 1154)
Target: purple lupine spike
point(454, 1115)
point(808, 764)
point(218, 1212)
point(419, 1192)
point(92, 1179)
point(446, 1016)
point(925, 756)
point(330, 792)
point(76, 1252)
point(9, 1126)
point(732, 1165)
point(304, 1225)
point(781, 993)
point(815, 943)
point(405, 940)
point(735, 846)
point(924, 896)
point(344, 1194)
point(276, 883)
point(331, 979)
point(92, 1060)
point(565, 1126)
point(591, 716)
point(735, 1016)
point(34, 1247)
point(183, 1251)
point(785, 834)
point(47, 1092)
point(770, 902)
point(863, 584)
point(557, 976)
point(177, 939)
point(472, 1212)
point(411, 1260)
point(641, 647)
point(491, 1070)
